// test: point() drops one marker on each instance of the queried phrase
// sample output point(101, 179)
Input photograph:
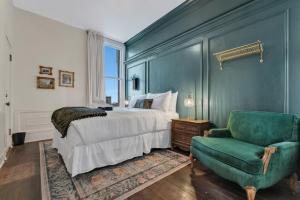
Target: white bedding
point(122, 122)
point(123, 134)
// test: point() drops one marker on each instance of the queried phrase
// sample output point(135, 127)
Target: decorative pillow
point(143, 103)
point(161, 101)
point(173, 102)
point(134, 99)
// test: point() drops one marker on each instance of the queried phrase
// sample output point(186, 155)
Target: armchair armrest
point(285, 146)
point(283, 151)
point(218, 132)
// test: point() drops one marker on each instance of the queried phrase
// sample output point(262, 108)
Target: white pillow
point(134, 99)
point(153, 95)
point(161, 101)
point(173, 102)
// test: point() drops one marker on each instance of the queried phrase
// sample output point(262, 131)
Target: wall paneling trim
point(36, 124)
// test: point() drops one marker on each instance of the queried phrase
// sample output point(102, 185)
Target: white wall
point(6, 31)
point(42, 41)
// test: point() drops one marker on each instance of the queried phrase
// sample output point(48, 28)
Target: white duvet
point(123, 134)
point(120, 123)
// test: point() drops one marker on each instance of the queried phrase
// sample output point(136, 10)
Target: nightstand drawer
point(181, 137)
point(185, 126)
point(187, 133)
point(181, 145)
point(184, 129)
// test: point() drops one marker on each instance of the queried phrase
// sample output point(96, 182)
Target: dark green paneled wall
point(177, 53)
point(179, 69)
point(245, 83)
point(163, 51)
point(191, 14)
point(138, 70)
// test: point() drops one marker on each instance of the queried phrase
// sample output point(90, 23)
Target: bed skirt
point(84, 158)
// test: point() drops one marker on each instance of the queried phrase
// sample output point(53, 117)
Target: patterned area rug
point(107, 183)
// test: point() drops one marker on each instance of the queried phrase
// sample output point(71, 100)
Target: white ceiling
point(116, 19)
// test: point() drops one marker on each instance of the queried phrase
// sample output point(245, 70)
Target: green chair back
point(263, 128)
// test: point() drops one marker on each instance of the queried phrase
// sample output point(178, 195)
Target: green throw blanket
point(62, 117)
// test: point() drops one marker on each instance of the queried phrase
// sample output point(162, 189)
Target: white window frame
point(120, 46)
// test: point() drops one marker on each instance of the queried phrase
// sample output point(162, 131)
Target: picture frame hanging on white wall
point(66, 79)
point(45, 83)
point(45, 70)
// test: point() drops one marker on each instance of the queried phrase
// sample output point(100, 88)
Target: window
point(113, 74)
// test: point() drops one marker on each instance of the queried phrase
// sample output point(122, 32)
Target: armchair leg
point(251, 192)
point(192, 159)
point(293, 183)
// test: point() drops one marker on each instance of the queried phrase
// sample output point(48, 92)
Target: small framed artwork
point(45, 82)
point(45, 70)
point(66, 79)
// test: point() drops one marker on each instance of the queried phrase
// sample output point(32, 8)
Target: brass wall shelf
point(245, 50)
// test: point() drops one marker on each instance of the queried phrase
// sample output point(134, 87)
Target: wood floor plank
point(175, 192)
point(144, 195)
point(28, 188)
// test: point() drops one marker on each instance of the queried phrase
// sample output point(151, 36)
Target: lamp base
point(189, 115)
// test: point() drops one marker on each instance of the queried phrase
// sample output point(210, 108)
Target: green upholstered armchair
point(256, 150)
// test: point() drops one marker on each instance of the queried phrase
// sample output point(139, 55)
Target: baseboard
point(31, 136)
point(2, 158)
point(38, 135)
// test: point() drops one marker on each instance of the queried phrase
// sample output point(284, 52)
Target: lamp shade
point(126, 102)
point(189, 101)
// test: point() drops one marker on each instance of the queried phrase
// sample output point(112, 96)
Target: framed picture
point(45, 70)
point(45, 83)
point(66, 79)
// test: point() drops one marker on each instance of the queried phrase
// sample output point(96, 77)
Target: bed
point(123, 134)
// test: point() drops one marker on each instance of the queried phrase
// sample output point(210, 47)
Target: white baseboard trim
point(38, 135)
point(2, 158)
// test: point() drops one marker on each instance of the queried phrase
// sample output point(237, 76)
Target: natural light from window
point(112, 75)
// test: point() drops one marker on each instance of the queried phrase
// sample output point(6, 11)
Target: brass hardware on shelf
point(245, 50)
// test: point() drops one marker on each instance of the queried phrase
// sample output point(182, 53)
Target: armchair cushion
point(241, 155)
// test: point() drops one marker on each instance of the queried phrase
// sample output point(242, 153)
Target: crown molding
point(175, 12)
point(240, 12)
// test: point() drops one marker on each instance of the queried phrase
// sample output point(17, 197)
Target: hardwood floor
point(20, 179)
point(25, 188)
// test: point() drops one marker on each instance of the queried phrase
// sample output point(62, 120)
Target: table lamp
point(189, 103)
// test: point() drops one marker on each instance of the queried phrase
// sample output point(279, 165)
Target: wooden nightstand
point(184, 129)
